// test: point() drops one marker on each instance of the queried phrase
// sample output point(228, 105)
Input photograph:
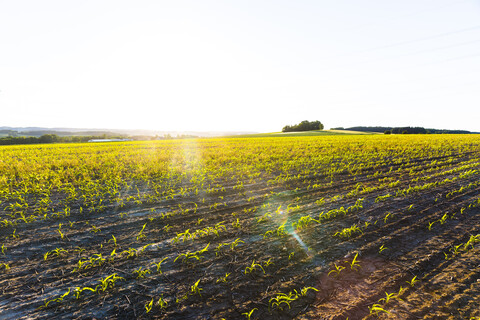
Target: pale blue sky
point(239, 65)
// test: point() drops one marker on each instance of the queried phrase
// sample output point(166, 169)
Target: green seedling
point(149, 306)
point(218, 249)
point(267, 234)
point(413, 281)
point(304, 291)
point(430, 225)
point(140, 235)
point(185, 235)
point(114, 240)
point(13, 235)
point(130, 253)
point(304, 222)
point(79, 250)
point(376, 308)
point(3, 248)
point(5, 266)
point(348, 232)
point(268, 262)
point(354, 264)
point(387, 216)
point(94, 229)
point(141, 273)
point(457, 249)
point(337, 269)
point(159, 265)
point(78, 291)
point(235, 243)
point(282, 298)
point(195, 289)
point(281, 231)
point(59, 299)
point(290, 256)
point(223, 279)
point(253, 267)
point(54, 253)
point(59, 230)
point(248, 315)
point(388, 297)
point(108, 282)
point(443, 219)
point(382, 248)
point(237, 224)
point(192, 255)
point(162, 303)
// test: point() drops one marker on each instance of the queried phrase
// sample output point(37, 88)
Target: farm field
point(313, 227)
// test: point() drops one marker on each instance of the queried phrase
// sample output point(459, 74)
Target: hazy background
point(239, 65)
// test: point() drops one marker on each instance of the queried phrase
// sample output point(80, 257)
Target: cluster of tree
point(403, 130)
point(48, 138)
point(304, 126)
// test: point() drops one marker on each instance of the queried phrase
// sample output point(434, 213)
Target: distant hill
point(298, 134)
point(410, 130)
point(65, 132)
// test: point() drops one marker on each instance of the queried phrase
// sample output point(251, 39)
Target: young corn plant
point(348, 232)
point(354, 264)
point(282, 300)
point(162, 303)
point(223, 279)
point(337, 269)
point(237, 224)
point(141, 235)
point(108, 282)
point(114, 240)
point(4, 266)
point(59, 230)
point(94, 229)
point(413, 281)
point(253, 267)
point(78, 291)
point(130, 253)
point(304, 291)
point(388, 297)
point(186, 257)
point(141, 273)
point(195, 289)
point(235, 243)
point(149, 306)
point(59, 299)
point(57, 252)
point(248, 315)
point(159, 265)
point(382, 248)
point(376, 308)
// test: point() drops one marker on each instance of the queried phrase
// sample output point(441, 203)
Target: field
point(313, 227)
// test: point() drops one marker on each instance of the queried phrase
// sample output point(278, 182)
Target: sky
point(189, 65)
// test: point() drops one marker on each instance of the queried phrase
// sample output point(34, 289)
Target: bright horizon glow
point(239, 65)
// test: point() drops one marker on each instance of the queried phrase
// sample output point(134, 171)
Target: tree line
point(403, 130)
point(48, 138)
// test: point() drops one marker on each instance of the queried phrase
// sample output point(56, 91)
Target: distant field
point(301, 134)
point(299, 227)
